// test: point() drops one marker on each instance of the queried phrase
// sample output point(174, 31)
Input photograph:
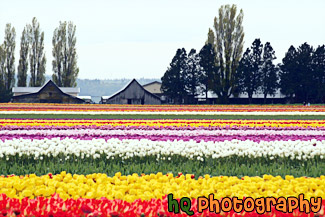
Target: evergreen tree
point(65, 56)
point(192, 73)
point(229, 40)
point(37, 58)
point(297, 77)
point(249, 70)
point(173, 81)
point(269, 74)
point(318, 65)
point(288, 80)
point(208, 68)
point(23, 61)
point(9, 50)
point(244, 71)
point(305, 73)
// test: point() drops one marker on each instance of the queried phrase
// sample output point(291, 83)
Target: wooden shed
point(132, 93)
point(48, 93)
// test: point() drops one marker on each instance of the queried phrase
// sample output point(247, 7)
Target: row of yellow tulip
point(132, 187)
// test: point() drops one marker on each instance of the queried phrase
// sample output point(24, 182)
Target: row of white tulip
point(96, 148)
point(163, 113)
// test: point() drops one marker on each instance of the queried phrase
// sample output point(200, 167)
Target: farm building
point(258, 98)
point(48, 93)
point(132, 93)
point(154, 87)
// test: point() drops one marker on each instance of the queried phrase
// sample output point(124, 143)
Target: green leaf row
point(230, 166)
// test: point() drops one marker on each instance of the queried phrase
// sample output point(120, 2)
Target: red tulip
point(85, 208)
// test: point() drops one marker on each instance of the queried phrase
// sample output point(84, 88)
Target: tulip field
point(124, 160)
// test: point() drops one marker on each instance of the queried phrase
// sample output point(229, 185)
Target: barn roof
point(41, 88)
point(37, 89)
point(151, 83)
point(126, 86)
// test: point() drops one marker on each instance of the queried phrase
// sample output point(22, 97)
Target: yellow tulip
point(157, 185)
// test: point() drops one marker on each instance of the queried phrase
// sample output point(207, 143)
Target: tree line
point(222, 67)
point(32, 58)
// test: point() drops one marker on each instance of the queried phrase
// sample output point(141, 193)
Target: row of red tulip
point(55, 206)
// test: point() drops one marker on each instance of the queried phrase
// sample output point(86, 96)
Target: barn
point(242, 98)
point(153, 87)
point(132, 93)
point(48, 93)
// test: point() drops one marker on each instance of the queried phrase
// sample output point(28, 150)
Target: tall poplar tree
point(65, 69)
point(23, 61)
point(211, 38)
point(229, 41)
point(2, 66)
point(2, 73)
point(37, 59)
point(9, 50)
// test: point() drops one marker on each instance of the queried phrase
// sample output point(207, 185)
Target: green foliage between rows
point(230, 166)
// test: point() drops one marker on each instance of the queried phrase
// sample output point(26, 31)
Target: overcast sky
point(138, 38)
